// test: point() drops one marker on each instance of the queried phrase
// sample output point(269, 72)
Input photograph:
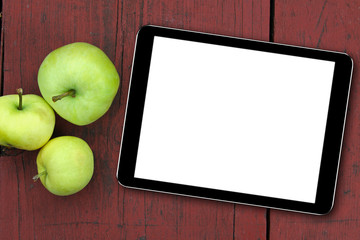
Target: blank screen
point(234, 119)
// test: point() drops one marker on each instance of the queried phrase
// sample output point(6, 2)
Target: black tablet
point(234, 120)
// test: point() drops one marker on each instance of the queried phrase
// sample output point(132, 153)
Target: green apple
point(79, 81)
point(65, 165)
point(26, 121)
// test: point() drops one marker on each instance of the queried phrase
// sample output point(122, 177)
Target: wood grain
point(104, 209)
point(331, 25)
point(167, 216)
point(31, 30)
point(1, 53)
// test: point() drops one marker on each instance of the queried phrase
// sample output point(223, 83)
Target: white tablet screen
point(234, 119)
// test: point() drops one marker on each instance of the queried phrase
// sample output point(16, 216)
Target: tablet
point(234, 120)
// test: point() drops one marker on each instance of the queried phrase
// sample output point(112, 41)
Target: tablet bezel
point(333, 134)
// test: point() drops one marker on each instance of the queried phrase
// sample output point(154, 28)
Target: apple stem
point(71, 92)
point(20, 92)
point(36, 177)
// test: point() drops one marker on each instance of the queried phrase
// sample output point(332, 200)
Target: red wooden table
point(104, 209)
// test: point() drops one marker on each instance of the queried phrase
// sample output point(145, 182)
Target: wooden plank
point(1, 52)
point(167, 216)
point(250, 223)
point(104, 209)
point(331, 25)
point(31, 30)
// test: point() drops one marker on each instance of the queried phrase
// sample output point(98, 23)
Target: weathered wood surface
point(332, 25)
point(104, 209)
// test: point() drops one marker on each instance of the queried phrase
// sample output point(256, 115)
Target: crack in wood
point(321, 34)
point(321, 13)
